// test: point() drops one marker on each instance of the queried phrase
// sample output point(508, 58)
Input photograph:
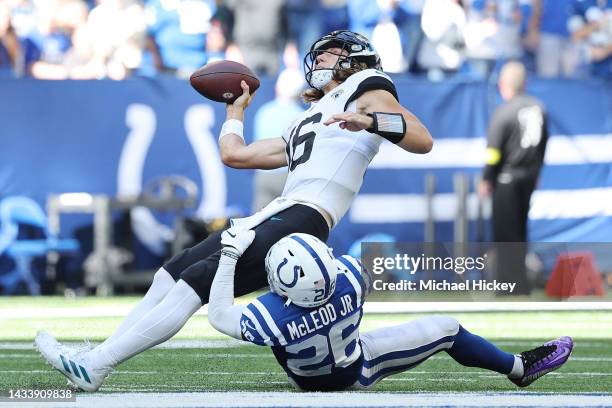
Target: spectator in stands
point(334, 15)
point(256, 27)
point(492, 34)
point(407, 17)
point(386, 38)
point(80, 62)
point(393, 25)
point(363, 16)
point(216, 42)
point(517, 139)
point(224, 16)
point(116, 29)
point(591, 28)
point(219, 36)
point(272, 120)
point(10, 49)
point(55, 31)
point(177, 34)
point(549, 38)
point(304, 23)
point(24, 20)
point(443, 48)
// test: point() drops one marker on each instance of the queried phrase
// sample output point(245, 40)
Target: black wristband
point(229, 253)
point(391, 126)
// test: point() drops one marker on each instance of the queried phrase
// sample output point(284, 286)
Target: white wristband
point(232, 126)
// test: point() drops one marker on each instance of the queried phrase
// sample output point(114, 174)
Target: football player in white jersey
point(311, 319)
point(327, 149)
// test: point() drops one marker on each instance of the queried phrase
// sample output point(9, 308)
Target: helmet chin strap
point(321, 77)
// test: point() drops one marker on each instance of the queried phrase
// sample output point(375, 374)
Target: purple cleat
point(544, 359)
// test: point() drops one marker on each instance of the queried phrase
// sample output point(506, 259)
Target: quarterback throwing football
point(311, 320)
point(327, 150)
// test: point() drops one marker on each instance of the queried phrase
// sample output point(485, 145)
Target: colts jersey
point(327, 163)
point(319, 347)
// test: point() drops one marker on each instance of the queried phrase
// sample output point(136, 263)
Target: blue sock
point(474, 351)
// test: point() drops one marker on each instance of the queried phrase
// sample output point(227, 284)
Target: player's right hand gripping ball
point(220, 80)
point(237, 241)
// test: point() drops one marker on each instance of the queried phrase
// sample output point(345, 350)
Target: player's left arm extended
point(379, 112)
point(223, 315)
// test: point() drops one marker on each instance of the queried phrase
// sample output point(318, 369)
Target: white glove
point(236, 242)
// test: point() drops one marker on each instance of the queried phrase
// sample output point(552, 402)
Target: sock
point(474, 351)
point(161, 285)
point(518, 369)
point(157, 326)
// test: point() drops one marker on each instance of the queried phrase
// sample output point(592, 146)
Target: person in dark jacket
point(515, 153)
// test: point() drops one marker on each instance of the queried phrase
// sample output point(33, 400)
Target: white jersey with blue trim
point(313, 343)
point(327, 163)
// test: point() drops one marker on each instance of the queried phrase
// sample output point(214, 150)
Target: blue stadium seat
point(16, 211)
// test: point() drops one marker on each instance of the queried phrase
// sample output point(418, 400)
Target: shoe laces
point(83, 347)
point(74, 350)
point(538, 354)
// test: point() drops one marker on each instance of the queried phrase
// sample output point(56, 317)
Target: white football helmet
point(302, 268)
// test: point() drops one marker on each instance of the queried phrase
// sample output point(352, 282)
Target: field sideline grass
point(515, 325)
point(253, 368)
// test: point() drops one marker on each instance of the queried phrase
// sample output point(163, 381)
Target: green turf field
point(253, 368)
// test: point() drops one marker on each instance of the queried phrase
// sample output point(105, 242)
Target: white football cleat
point(66, 349)
point(72, 364)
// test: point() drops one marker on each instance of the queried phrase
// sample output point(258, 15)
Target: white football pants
point(395, 349)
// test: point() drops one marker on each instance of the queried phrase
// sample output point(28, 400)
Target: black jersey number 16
point(297, 139)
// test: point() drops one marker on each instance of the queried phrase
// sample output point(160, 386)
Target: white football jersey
point(326, 163)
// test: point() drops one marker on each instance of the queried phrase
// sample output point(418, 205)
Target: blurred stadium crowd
point(88, 39)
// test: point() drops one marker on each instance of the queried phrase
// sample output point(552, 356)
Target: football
point(220, 80)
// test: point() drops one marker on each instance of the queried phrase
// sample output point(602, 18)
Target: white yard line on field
point(345, 399)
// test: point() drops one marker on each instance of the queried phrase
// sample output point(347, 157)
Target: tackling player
point(311, 320)
point(327, 150)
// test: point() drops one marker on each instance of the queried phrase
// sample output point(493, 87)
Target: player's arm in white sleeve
point(223, 315)
point(406, 130)
point(263, 154)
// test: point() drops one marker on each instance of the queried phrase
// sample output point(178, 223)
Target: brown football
point(220, 80)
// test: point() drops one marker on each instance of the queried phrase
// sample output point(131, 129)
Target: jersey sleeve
point(496, 136)
point(250, 332)
point(287, 134)
point(372, 83)
point(258, 326)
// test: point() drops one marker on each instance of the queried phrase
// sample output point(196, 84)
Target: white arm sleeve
point(223, 315)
